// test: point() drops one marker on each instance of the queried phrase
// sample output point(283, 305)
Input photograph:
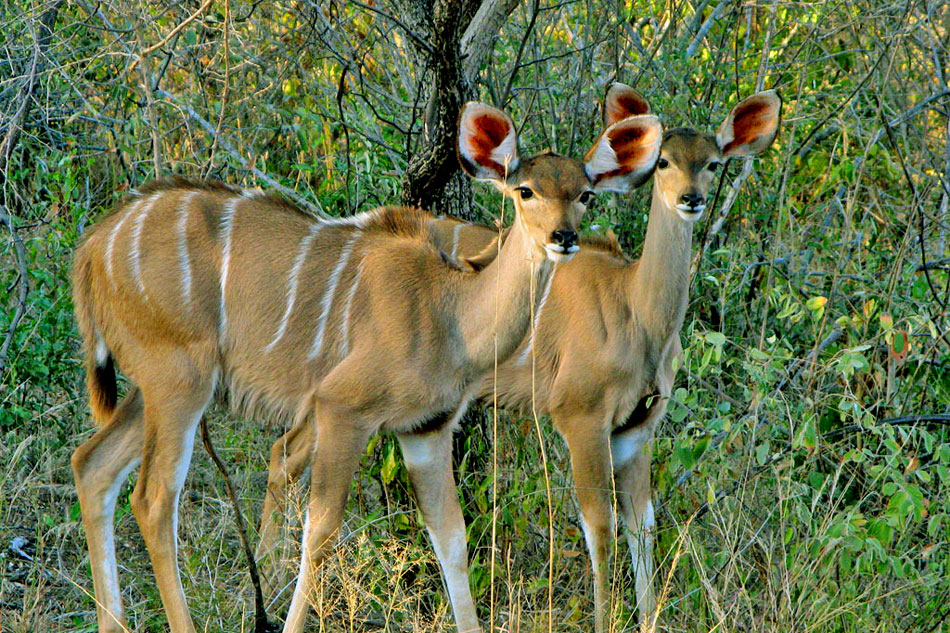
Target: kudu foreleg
point(428, 458)
point(590, 464)
point(335, 459)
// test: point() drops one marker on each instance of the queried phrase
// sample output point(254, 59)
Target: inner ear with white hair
point(625, 154)
point(751, 126)
point(621, 102)
point(488, 143)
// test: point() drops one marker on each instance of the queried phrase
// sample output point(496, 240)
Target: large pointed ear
point(625, 154)
point(751, 126)
point(488, 142)
point(623, 101)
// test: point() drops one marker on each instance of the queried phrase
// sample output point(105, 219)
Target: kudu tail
point(100, 366)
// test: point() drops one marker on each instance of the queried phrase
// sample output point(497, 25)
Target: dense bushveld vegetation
point(803, 472)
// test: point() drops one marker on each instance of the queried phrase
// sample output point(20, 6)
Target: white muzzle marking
point(557, 253)
point(690, 214)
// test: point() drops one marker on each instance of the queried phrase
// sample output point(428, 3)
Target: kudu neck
point(495, 305)
point(661, 280)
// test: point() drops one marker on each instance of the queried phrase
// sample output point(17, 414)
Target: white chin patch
point(690, 214)
point(557, 253)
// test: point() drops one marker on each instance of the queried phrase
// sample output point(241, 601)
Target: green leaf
point(388, 469)
point(816, 303)
point(860, 362)
point(684, 454)
point(900, 342)
point(716, 338)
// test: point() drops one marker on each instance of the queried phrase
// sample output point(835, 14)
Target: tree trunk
point(460, 33)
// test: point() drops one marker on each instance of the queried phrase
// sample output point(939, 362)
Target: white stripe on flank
point(327, 301)
point(110, 245)
point(227, 225)
point(537, 316)
point(360, 220)
point(184, 208)
point(135, 258)
point(455, 240)
point(345, 323)
point(302, 251)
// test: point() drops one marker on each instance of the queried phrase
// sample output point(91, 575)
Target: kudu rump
point(604, 337)
point(346, 326)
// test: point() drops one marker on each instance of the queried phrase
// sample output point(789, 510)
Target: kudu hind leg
point(171, 420)
point(634, 493)
point(428, 458)
point(100, 466)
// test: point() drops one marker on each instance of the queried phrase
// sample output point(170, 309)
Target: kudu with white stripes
point(344, 326)
point(599, 357)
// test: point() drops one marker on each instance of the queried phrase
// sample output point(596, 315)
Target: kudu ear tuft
point(751, 126)
point(625, 154)
point(488, 142)
point(623, 101)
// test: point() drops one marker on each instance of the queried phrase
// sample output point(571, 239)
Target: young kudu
point(346, 326)
point(606, 333)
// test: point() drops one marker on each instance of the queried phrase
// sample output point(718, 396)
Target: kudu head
point(689, 159)
point(551, 192)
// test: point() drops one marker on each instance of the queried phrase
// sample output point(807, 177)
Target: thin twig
point(524, 40)
point(225, 93)
point(191, 18)
point(916, 204)
point(261, 623)
point(723, 212)
point(341, 89)
point(147, 83)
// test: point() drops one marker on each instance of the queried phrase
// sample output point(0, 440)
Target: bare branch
point(200, 120)
point(477, 41)
point(23, 287)
point(41, 40)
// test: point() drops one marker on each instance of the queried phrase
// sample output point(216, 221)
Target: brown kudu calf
point(346, 326)
point(605, 335)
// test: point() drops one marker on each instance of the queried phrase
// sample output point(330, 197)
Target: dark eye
point(585, 197)
point(713, 166)
point(662, 163)
point(526, 194)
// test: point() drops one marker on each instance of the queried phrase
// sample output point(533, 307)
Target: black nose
point(692, 199)
point(564, 237)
